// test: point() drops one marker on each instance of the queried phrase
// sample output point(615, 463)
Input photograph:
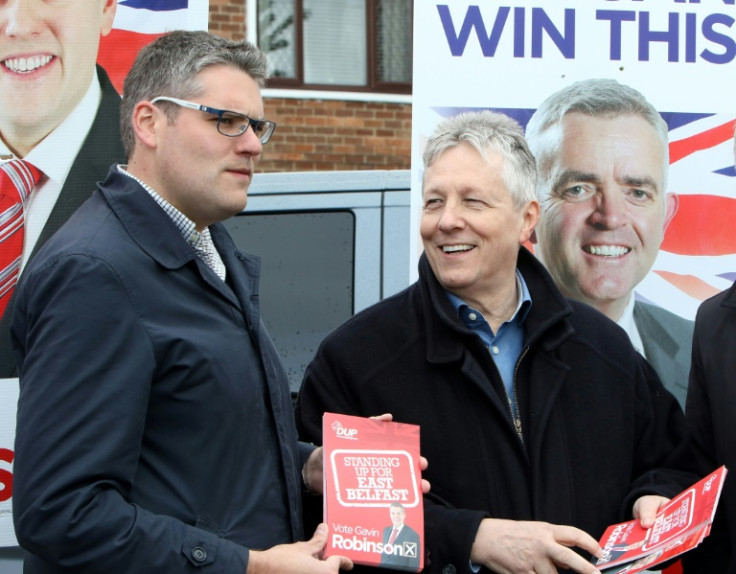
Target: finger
point(319, 539)
point(571, 536)
point(423, 463)
point(340, 562)
point(425, 486)
point(385, 417)
point(646, 508)
point(568, 559)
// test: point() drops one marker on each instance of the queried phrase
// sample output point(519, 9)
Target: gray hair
point(169, 66)
point(596, 97)
point(489, 131)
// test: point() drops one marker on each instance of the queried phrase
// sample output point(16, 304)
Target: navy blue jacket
point(599, 429)
point(155, 431)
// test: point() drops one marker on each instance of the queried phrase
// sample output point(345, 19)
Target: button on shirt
point(201, 241)
point(506, 345)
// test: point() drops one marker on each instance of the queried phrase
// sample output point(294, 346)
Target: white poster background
point(7, 432)
point(528, 66)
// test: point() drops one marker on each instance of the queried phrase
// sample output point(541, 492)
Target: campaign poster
point(509, 55)
point(62, 67)
point(373, 492)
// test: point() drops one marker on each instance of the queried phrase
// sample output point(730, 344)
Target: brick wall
point(324, 134)
point(331, 134)
point(227, 18)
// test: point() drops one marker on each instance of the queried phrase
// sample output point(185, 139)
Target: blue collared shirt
point(506, 345)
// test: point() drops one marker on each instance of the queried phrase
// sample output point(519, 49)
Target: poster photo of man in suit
point(58, 111)
point(401, 542)
point(602, 154)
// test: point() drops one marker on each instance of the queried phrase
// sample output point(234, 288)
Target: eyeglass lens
point(232, 124)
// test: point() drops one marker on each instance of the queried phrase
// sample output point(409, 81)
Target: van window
point(306, 287)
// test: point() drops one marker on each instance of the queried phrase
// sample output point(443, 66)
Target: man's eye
point(640, 195)
point(576, 193)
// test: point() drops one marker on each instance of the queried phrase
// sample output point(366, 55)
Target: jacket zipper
point(514, 406)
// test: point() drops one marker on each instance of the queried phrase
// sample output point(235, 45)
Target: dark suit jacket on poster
point(101, 148)
point(407, 536)
point(667, 340)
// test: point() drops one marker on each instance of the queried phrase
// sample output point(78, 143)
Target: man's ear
point(531, 218)
point(108, 15)
point(671, 203)
point(146, 119)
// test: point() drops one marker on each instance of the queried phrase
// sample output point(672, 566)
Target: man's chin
point(609, 302)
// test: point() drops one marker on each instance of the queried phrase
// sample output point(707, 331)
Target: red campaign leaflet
point(680, 526)
point(373, 492)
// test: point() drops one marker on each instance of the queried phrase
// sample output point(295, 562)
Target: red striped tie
point(17, 180)
point(392, 538)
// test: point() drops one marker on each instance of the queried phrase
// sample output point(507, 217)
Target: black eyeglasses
point(230, 124)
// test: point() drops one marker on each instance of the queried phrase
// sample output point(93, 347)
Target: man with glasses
point(154, 428)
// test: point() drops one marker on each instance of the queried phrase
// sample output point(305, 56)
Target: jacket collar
point(447, 336)
point(154, 232)
point(147, 224)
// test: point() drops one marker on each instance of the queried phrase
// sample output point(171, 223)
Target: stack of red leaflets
point(372, 492)
point(680, 526)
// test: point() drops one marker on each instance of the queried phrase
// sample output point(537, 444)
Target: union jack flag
point(139, 22)
point(697, 258)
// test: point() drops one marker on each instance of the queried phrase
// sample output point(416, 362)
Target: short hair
point(489, 131)
point(595, 97)
point(170, 65)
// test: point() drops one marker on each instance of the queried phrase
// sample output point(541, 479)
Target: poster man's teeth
point(608, 250)
point(27, 64)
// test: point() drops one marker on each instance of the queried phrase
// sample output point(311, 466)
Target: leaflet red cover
point(679, 527)
point(372, 492)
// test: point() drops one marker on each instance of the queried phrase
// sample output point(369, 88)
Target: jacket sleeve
point(332, 384)
point(664, 463)
point(86, 366)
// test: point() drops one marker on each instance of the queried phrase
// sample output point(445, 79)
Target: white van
point(331, 243)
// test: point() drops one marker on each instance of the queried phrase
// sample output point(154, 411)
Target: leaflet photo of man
point(602, 154)
point(399, 535)
point(59, 112)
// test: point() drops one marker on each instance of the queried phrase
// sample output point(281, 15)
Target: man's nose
point(21, 18)
point(452, 217)
point(248, 143)
point(611, 209)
